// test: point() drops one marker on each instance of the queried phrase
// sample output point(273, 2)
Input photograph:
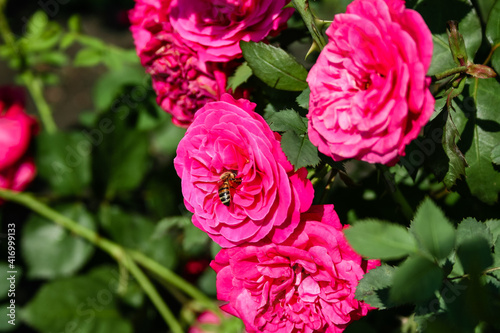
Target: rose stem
point(123, 256)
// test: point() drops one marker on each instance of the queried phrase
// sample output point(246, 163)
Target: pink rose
point(17, 169)
point(183, 83)
point(229, 138)
point(369, 93)
point(217, 26)
point(305, 284)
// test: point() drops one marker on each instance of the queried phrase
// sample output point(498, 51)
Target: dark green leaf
point(52, 251)
point(206, 282)
point(120, 283)
point(74, 24)
point(84, 303)
point(494, 229)
point(299, 150)
point(475, 255)
point(5, 312)
point(240, 76)
point(415, 280)
point(88, 57)
point(381, 240)
point(373, 288)
point(457, 162)
point(493, 25)
point(436, 14)
point(274, 66)
point(138, 232)
point(470, 228)
point(303, 99)
point(195, 240)
point(433, 230)
point(105, 93)
point(121, 158)
point(480, 136)
point(287, 120)
point(495, 155)
point(63, 160)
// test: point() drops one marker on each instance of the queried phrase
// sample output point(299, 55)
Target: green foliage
point(240, 76)
point(63, 161)
point(373, 289)
point(415, 280)
point(381, 240)
point(294, 141)
point(435, 234)
point(84, 302)
point(426, 278)
point(480, 135)
point(274, 66)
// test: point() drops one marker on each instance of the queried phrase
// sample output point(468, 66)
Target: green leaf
point(74, 24)
point(480, 135)
point(475, 255)
point(37, 24)
point(457, 162)
point(303, 98)
point(274, 66)
point(436, 14)
point(381, 240)
point(121, 160)
point(106, 90)
point(287, 120)
point(4, 287)
point(470, 228)
point(493, 25)
point(88, 57)
point(485, 7)
point(494, 229)
point(433, 230)
point(415, 280)
point(495, 60)
point(120, 283)
point(138, 232)
point(85, 303)
point(207, 282)
point(240, 76)
point(52, 251)
point(299, 150)
point(495, 155)
point(5, 326)
point(63, 161)
point(373, 288)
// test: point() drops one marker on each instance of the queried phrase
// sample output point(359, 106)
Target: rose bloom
point(228, 136)
point(305, 284)
point(182, 82)
point(369, 91)
point(17, 168)
point(217, 26)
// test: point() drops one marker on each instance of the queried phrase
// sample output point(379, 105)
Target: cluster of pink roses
point(285, 265)
point(189, 47)
point(17, 168)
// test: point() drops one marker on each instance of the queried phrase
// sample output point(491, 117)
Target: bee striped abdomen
point(224, 194)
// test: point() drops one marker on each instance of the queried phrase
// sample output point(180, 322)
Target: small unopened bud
point(457, 44)
point(481, 71)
